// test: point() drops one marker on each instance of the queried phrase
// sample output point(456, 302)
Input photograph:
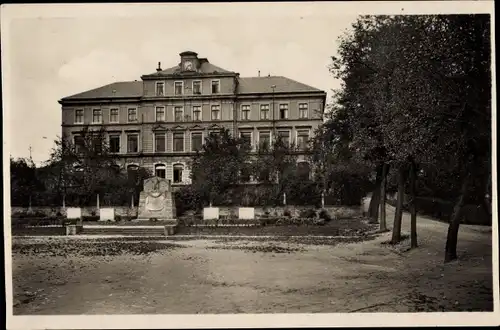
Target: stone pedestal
point(156, 201)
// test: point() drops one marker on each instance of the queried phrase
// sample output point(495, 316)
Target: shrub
point(308, 213)
point(118, 217)
point(287, 213)
point(323, 214)
point(90, 218)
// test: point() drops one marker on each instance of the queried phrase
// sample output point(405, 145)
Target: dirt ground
point(253, 276)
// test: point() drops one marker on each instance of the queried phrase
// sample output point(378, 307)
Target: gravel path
point(252, 275)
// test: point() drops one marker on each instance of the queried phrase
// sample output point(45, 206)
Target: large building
point(160, 121)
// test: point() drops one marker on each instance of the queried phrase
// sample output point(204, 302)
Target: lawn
point(71, 275)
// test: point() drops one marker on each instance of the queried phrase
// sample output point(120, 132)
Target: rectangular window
point(132, 143)
point(264, 139)
point(283, 111)
point(247, 138)
point(302, 139)
point(178, 113)
point(79, 143)
point(114, 143)
point(178, 87)
point(97, 116)
point(79, 116)
point(215, 87)
point(113, 115)
point(160, 142)
point(303, 110)
point(196, 141)
point(284, 137)
point(179, 141)
point(160, 89)
point(264, 111)
point(160, 114)
point(215, 112)
point(196, 112)
point(245, 112)
point(132, 115)
point(197, 87)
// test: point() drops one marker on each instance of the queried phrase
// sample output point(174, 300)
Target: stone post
point(322, 199)
point(284, 198)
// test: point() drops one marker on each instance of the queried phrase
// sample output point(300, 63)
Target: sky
point(53, 51)
point(54, 57)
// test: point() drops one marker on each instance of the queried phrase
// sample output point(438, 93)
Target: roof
point(205, 67)
point(255, 85)
point(247, 85)
point(118, 89)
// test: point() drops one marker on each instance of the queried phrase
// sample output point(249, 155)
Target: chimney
point(259, 73)
point(158, 69)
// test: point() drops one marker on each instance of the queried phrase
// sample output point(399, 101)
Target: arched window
point(160, 170)
point(178, 169)
point(304, 170)
point(132, 167)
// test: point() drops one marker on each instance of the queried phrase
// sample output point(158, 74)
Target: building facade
point(160, 121)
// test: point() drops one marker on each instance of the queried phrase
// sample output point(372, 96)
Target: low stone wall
point(294, 211)
point(86, 211)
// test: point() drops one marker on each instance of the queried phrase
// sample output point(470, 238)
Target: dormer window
point(160, 89)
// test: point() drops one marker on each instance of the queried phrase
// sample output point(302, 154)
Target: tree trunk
point(383, 198)
point(398, 215)
point(375, 199)
point(413, 206)
point(452, 238)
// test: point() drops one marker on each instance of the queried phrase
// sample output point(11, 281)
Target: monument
point(156, 201)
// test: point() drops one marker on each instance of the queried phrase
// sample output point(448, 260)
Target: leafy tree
point(216, 168)
point(23, 181)
point(417, 91)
